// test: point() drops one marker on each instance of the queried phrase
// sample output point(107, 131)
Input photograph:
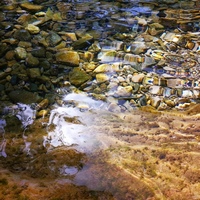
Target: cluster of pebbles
point(128, 53)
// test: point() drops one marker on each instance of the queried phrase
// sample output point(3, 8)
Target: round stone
point(33, 29)
point(20, 53)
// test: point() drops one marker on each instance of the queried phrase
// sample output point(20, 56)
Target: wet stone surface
point(138, 37)
point(99, 98)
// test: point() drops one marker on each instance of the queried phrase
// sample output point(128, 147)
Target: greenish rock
point(187, 4)
point(3, 49)
point(136, 88)
point(1, 87)
point(121, 27)
point(170, 1)
point(24, 44)
point(39, 52)
point(83, 43)
point(23, 96)
point(22, 35)
point(77, 76)
point(33, 87)
point(156, 26)
point(51, 98)
point(53, 39)
point(96, 34)
point(3, 75)
point(43, 79)
point(34, 72)
point(2, 16)
point(13, 124)
point(31, 61)
point(45, 65)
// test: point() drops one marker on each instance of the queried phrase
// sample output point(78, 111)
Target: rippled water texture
point(99, 100)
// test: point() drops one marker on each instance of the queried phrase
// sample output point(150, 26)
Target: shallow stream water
point(110, 136)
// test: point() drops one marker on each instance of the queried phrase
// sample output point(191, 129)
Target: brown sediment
point(139, 154)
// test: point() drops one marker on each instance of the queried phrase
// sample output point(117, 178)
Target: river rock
point(39, 52)
point(82, 43)
point(23, 96)
point(156, 90)
point(3, 49)
point(69, 57)
point(20, 53)
point(137, 78)
point(108, 56)
point(78, 76)
point(2, 16)
point(24, 44)
point(31, 7)
point(113, 107)
point(106, 68)
point(33, 29)
point(10, 55)
point(138, 47)
point(22, 35)
point(123, 91)
point(53, 39)
point(31, 61)
point(155, 101)
point(2, 75)
point(34, 72)
point(101, 77)
point(149, 61)
point(170, 1)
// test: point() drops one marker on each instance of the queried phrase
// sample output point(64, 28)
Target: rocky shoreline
point(139, 58)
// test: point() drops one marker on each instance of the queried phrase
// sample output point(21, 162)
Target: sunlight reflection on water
point(72, 123)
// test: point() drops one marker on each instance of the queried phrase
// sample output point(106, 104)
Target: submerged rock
point(20, 53)
point(82, 43)
point(69, 57)
point(31, 7)
point(53, 39)
point(31, 61)
point(23, 96)
point(22, 35)
point(33, 29)
point(77, 77)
